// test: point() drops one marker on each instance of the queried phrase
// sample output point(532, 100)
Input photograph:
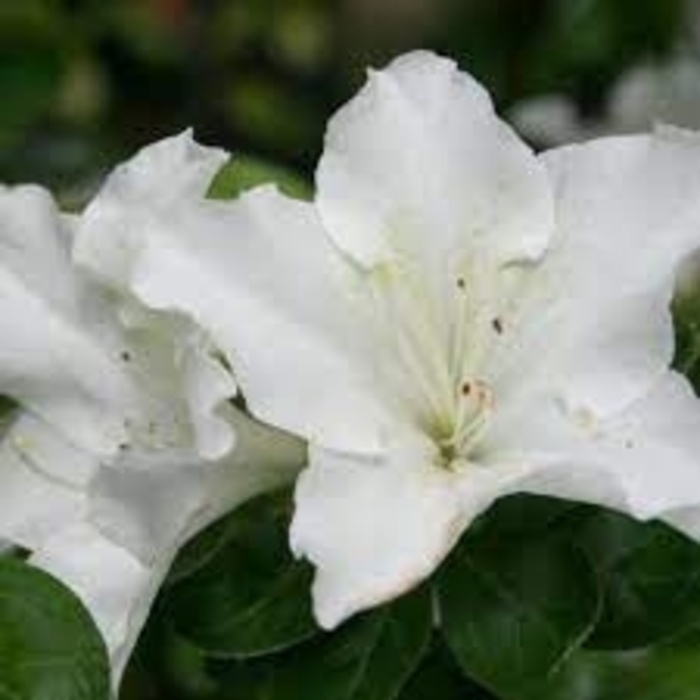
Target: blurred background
point(86, 82)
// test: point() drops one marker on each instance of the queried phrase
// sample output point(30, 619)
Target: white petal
point(654, 446)
point(175, 172)
point(42, 481)
point(184, 383)
point(142, 510)
point(642, 460)
point(687, 520)
point(419, 164)
point(113, 584)
point(594, 327)
point(169, 173)
point(59, 353)
point(375, 529)
point(272, 292)
point(264, 459)
point(146, 501)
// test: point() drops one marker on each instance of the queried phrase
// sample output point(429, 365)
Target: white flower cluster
point(452, 319)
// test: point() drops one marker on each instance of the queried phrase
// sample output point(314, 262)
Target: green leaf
point(242, 173)
point(248, 596)
point(686, 318)
point(7, 410)
point(523, 516)
point(201, 550)
point(650, 579)
point(513, 609)
point(49, 647)
point(439, 677)
point(665, 672)
point(369, 658)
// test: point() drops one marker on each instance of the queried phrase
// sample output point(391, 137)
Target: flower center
point(438, 339)
point(468, 423)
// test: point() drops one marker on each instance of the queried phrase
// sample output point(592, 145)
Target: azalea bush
point(427, 428)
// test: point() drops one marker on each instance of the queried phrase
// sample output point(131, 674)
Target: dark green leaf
point(512, 610)
point(523, 516)
point(369, 658)
point(650, 579)
point(248, 596)
point(440, 678)
point(665, 672)
point(686, 317)
point(244, 172)
point(49, 647)
point(201, 550)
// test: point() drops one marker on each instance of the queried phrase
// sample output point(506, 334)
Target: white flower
point(122, 448)
point(453, 319)
point(647, 94)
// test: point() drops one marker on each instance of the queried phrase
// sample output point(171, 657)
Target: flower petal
point(275, 295)
point(146, 501)
point(113, 584)
point(175, 172)
point(375, 529)
point(168, 173)
point(419, 161)
point(59, 354)
point(41, 481)
point(641, 460)
point(593, 327)
point(141, 510)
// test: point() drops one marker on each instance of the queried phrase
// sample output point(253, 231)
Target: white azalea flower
point(647, 94)
point(454, 319)
point(122, 449)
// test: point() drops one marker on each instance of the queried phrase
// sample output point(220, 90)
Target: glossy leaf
point(440, 678)
point(249, 597)
point(665, 672)
point(49, 647)
point(686, 317)
point(370, 658)
point(513, 610)
point(650, 579)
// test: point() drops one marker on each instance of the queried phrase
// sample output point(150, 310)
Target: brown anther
point(461, 283)
point(466, 388)
point(126, 356)
point(497, 325)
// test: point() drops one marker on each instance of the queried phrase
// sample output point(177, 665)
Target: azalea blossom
point(647, 94)
point(453, 319)
point(125, 443)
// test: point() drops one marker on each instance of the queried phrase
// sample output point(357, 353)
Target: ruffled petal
point(170, 173)
point(59, 354)
point(641, 460)
point(279, 300)
point(374, 529)
point(592, 325)
point(42, 481)
point(419, 165)
point(115, 586)
point(140, 510)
